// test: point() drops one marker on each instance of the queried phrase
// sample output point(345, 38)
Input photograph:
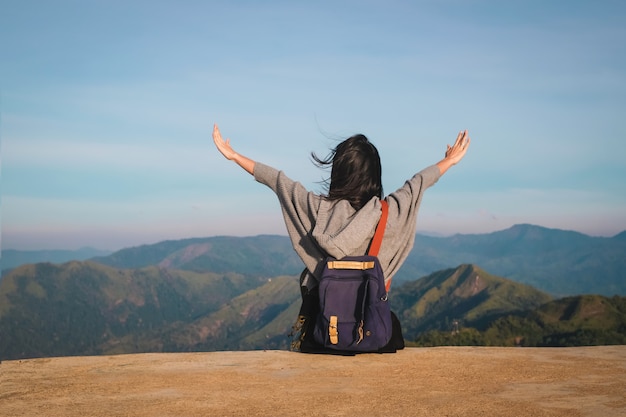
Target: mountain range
point(556, 261)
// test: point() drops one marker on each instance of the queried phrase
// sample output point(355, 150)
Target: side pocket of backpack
point(378, 323)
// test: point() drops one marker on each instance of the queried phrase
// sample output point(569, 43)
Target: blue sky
point(106, 111)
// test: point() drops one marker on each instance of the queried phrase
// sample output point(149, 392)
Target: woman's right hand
point(223, 145)
point(225, 149)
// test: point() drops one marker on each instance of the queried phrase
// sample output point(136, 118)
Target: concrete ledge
point(445, 381)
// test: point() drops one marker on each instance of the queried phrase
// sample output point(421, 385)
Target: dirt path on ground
point(450, 381)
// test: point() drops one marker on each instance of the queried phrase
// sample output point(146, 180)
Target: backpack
point(354, 313)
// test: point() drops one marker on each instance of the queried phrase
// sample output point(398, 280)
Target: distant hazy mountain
point(12, 258)
point(264, 255)
point(555, 261)
point(86, 308)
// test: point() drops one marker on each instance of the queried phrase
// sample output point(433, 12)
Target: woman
point(342, 223)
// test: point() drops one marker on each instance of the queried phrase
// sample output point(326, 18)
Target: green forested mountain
point(585, 320)
point(259, 318)
point(86, 308)
point(466, 295)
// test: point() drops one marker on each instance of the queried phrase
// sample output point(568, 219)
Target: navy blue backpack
point(354, 313)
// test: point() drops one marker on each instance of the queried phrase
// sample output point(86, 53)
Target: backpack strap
point(380, 230)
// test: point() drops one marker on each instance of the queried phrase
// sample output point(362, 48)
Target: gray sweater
point(319, 227)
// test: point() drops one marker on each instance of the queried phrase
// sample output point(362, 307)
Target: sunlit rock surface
point(444, 381)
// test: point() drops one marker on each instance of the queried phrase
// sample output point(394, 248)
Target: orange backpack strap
point(380, 230)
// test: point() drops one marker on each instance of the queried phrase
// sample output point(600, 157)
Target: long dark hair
point(356, 173)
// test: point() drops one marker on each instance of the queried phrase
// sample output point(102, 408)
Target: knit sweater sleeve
point(404, 205)
point(300, 209)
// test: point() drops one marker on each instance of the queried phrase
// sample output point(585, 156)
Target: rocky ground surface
point(444, 381)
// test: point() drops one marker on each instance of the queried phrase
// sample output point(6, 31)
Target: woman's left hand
point(457, 151)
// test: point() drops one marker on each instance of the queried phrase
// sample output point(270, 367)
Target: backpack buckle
point(332, 330)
